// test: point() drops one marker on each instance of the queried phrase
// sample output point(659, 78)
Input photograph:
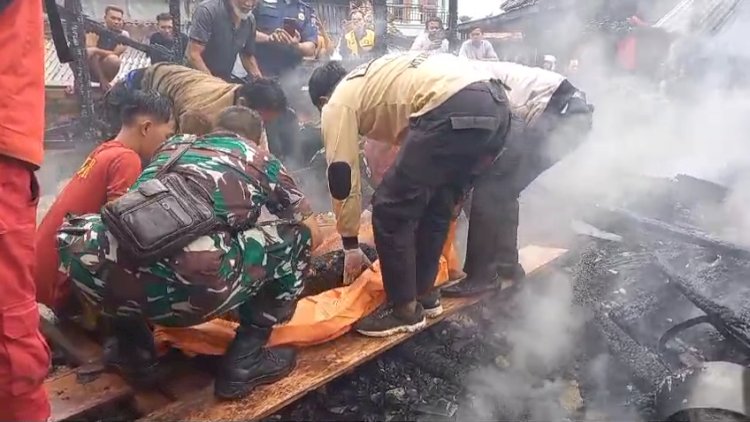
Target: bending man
point(450, 119)
point(255, 267)
point(551, 119)
point(193, 90)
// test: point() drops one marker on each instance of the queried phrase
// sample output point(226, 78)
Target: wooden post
point(380, 19)
point(81, 73)
point(453, 23)
point(174, 10)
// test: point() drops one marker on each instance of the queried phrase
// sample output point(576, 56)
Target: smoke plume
point(543, 337)
point(642, 127)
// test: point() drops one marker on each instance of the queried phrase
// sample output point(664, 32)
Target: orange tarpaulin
point(317, 319)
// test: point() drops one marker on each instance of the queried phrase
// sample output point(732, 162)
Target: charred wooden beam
point(453, 22)
point(724, 319)
point(380, 19)
point(82, 76)
point(174, 10)
point(648, 370)
point(689, 235)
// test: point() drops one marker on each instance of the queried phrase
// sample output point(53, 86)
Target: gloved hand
point(355, 261)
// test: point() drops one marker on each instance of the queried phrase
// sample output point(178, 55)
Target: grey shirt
point(483, 51)
point(212, 26)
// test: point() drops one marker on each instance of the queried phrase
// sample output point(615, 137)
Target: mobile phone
point(290, 26)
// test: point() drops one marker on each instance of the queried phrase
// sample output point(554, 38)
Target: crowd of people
point(166, 222)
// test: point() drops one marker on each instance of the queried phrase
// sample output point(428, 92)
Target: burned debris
point(664, 320)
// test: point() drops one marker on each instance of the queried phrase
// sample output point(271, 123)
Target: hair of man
point(149, 103)
point(242, 121)
point(263, 94)
point(433, 19)
point(195, 123)
point(162, 17)
point(324, 80)
point(112, 8)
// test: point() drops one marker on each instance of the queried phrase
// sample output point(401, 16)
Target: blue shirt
point(273, 58)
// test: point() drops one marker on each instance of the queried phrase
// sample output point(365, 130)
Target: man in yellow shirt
point(451, 121)
point(360, 40)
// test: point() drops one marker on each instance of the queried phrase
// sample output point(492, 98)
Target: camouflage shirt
point(241, 177)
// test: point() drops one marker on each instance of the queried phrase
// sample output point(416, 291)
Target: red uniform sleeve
point(122, 173)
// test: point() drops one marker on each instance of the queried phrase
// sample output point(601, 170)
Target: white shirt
point(483, 51)
point(423, 43)
point(530, 87)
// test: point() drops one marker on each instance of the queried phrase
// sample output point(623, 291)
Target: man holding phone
point(286, 34)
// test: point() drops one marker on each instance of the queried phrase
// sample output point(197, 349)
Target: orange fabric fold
point(317, 319)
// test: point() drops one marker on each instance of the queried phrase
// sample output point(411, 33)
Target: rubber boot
point(131, 351)
point(247, 363)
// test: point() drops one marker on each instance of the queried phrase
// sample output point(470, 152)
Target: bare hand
point(355, 261)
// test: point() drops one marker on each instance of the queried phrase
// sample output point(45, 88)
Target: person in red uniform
point(106, 174)
point(24, 356)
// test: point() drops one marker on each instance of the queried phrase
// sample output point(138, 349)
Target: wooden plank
point(69, 398)
point(72, 340)
point(316, 366)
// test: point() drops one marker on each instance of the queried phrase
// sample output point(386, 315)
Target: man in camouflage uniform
point(257, 268)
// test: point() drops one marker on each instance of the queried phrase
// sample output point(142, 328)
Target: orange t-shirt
point(22, 81)
point(107, 174)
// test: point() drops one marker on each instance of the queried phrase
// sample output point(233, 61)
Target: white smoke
point(543, 335)
point(639, 130)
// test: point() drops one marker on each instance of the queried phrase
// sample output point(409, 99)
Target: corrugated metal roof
point(61, 75)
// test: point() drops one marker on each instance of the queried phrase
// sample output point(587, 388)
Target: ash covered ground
point(514, 358)
point(577, 341)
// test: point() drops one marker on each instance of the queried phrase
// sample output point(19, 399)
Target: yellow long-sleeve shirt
point(376, 100)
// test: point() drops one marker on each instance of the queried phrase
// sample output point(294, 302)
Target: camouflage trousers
point(214, 274)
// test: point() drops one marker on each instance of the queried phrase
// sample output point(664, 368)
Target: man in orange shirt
point(24, 356)
point(106, 174)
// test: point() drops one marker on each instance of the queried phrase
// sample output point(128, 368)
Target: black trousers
point(412, 207)
point(493, 208)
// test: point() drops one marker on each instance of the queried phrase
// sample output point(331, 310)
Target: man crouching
point(240, 263)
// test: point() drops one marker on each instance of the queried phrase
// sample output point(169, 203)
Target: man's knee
point(111, 66)
point(265, 311)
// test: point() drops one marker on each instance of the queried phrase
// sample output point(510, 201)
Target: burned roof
point(509, 5)
point(57, 74)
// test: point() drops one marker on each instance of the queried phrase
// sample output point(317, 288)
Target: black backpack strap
point(177, 154)
point(58, 33)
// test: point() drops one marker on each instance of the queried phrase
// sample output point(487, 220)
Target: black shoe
point(454, 277)
point(472, 286)
point(432, 308)
point(387, 321)
point(247, 364)
point(131, 352)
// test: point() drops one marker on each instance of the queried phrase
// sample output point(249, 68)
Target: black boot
point(473, 286)
point(131, 351)
point(492, 242)
point(248, 364)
